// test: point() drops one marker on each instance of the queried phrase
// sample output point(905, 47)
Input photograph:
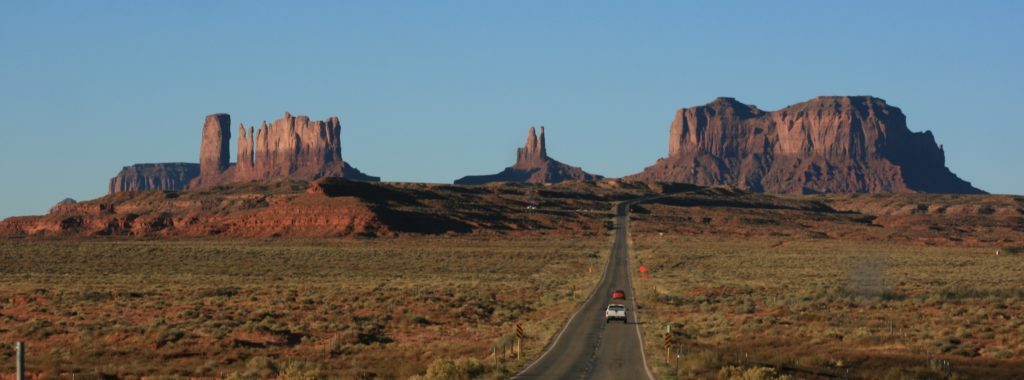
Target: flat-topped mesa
point(291, 147)
point(533, 165)
point(826, 144)
point(170, 176)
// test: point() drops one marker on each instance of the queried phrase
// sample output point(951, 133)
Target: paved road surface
point(588, 348)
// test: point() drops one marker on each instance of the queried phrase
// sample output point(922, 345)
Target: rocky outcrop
point(844, 144)
point(146, 177)
point(214, 153)
point(63, 203)
point(533, 165)
point(291, 147)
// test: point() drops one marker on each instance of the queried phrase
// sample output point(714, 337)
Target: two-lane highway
point(589, 348)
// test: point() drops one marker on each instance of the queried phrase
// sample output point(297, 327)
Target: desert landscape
point(288, 309)
point(863, 286)
point(289, 263)
point(405, 279)
point(343, 190)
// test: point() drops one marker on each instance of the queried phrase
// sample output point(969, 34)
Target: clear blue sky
point(432, 91)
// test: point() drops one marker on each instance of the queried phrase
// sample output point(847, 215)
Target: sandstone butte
point(533, 165)
point(292, 147)
point(830, 144)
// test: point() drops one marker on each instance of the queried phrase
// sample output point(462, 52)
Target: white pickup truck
point(615, 311)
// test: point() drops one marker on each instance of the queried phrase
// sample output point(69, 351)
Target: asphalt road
point(588, 348)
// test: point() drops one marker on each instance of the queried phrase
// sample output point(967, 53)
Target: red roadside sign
point(643, 269)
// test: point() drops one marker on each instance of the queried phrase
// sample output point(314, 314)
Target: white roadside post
point(20, 347)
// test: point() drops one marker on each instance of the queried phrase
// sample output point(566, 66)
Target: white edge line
point(580, 308)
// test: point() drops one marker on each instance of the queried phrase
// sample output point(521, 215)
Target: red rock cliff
point(827, 144)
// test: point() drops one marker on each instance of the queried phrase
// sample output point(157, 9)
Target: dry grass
point(755, 286)
point(354, 308)
point(823, 307)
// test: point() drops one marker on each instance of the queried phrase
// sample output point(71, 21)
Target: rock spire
point(535, 150)
point(214, 153)
point(533, 165)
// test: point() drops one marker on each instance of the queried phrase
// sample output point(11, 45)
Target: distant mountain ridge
point(533, 165)
point(830, 144)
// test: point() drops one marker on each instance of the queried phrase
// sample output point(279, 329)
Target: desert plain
point(428, 281)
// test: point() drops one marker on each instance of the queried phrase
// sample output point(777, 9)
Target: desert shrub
point(912, 374)
point(261, 366)
point(94, 296)
point(106, 374)
point(130, 295)
point(169, 336)
point(756, 373)
point(670, 299)
point(747, 307)
point(299, 371)
point(813, 361)
point(226, 292)
point(38, 327)
point(258, 367)
point(418, 320)
point(954, 345)
point(188, 314)
point(701, 361)
point(968, 350)
point(458, 369)
point(241, 376)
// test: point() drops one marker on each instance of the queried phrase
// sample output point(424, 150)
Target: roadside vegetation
point(433, 307)
point(753, 286)
point(821, 308)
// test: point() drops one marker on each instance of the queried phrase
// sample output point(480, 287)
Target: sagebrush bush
point(699, 362)
point(458, 369)
point(756, 373)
